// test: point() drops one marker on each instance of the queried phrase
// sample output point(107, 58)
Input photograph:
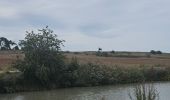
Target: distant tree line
point(155, 52)
point(6, 44)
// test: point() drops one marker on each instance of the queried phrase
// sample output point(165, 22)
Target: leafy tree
point(5, 44)
point(16, 48)
point(99, 52)
point(44, 60)
point(153, 52)
point(100, 49)
point(113, 52)
point(159, 52)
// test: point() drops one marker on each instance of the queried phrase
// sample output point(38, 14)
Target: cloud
point(87, 25)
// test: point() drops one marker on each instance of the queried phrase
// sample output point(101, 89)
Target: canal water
point(112, 92)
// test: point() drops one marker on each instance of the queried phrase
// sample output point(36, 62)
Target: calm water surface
point(114, 92)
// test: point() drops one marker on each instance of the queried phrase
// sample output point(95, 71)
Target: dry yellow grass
point(123, 61)
point(7, 58)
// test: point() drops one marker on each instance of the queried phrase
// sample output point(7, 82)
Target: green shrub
point(70, 75)
point(135, 75)
point(155, 74)
point(89, 74)
point(43, 60)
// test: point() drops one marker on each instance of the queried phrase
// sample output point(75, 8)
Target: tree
point(159, 52)
point(153, 52)
point(44, 61)
point(99, 52)
point(113, 52)
point(6, 44)
point(100, 49)
point(16, 48)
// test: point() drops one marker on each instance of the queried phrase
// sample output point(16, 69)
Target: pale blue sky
point(126, 25)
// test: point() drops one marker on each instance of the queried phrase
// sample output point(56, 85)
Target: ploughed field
point(126, 59)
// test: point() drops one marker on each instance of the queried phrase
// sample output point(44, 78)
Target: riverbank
point(82, 70)
point(85, 75)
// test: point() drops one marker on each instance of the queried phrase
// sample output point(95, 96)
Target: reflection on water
point(115, 92)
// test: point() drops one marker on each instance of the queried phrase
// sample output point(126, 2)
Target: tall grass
point(144, 92)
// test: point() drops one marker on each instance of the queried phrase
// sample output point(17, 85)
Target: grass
point(144, 92)
point(121, 61)
point(7, 58)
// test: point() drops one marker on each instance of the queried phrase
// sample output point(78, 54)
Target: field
point(7, 58)
point(124, 59)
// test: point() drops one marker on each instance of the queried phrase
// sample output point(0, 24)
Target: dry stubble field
point(8, 57)
point(122, 61)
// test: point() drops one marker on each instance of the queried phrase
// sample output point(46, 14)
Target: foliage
point(6, 44)
point(145, 92)
point(102, 54)
point(100, 49)
point(159, 52)
point(155, 74)
point(43, 60)
point(16, 48)
point(70, 74)
point(113, 52)
point(93, 74)
point(99, 52)
point(89, 74)
point(75, 74)
point(155, 52)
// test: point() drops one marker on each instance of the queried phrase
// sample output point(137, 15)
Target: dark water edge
point(110, 92)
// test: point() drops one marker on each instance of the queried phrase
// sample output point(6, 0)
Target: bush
point(75, 74)
point(44, 61)
point(159, 52)
point(70, 75)
point(155, 74)
point(92, 74)
point(135, 75)
point(88, 75)
point(113, 52)
point(153, 52)
point(105, 54)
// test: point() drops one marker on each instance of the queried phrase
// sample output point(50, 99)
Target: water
point(114, 92)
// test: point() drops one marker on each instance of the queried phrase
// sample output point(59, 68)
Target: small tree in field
point(43, 60)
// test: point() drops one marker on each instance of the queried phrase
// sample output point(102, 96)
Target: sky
point(86, 25)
